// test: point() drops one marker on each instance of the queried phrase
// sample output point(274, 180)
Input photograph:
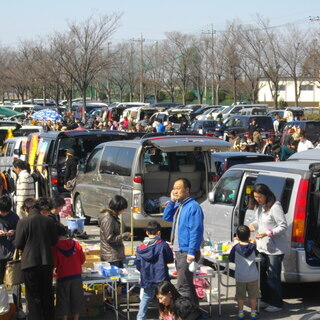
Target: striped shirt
point(25, 186)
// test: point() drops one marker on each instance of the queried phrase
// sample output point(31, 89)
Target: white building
point(309, 92)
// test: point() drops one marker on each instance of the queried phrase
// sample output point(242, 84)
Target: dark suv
point(311, 128)
point(240, 125)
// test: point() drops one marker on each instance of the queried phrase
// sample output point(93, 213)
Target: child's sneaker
point(254, 315)
point(241, 315)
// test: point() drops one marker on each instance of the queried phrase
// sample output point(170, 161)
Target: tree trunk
point(217, 93)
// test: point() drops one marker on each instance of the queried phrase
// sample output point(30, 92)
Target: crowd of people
point(33, 226)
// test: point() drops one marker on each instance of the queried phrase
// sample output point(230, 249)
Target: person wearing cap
point(71, 166)
point(282, 152)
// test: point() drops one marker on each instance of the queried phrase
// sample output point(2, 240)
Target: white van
point(296, 184)
point(138, 113)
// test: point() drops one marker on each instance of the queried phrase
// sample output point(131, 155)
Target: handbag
point(13, 275)
point(70, 184)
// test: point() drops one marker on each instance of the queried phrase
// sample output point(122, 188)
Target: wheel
point(79, 212)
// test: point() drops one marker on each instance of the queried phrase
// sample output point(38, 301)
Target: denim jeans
point(270, 277)
point(146, 294)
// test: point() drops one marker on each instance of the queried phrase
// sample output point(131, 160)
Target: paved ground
point(300, 300)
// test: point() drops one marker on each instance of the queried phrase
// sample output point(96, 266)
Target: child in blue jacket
point(153, 255)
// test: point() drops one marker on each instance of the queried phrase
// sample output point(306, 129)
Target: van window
point(227, 189)
point(117, 161)
point(281, 188)
point(9, 150)
point(93, 160)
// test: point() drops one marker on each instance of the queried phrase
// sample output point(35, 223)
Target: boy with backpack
point(243, 254)
point(153, 255)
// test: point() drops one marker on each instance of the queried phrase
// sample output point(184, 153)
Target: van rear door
point(188, 143)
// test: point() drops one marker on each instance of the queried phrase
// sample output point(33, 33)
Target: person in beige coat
point(24, 186)
point(111, 238)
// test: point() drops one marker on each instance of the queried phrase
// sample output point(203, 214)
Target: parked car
point(276, 112)
point(47, 153)
point(201, 110)
point(24, 131)
point(256, 111)
point(13, 148)
point(210, 114)
point(207, 126)
point(241, 108)
point(225, 160)
point(291, 112)
point(240, 125)
point(296, 184)
point(144, 171)
point(311, 128)
point(311, 154)
point(175, 116)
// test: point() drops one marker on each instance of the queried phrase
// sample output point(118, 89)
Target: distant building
point(309, 92)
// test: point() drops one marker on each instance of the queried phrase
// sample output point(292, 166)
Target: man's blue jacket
point(190, 225)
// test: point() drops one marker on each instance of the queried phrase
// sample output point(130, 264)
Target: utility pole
point(108, 73)
point(141, 40)
point(212, 32)
point(156, 73)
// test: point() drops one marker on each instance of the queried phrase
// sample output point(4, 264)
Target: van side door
point(219, 211)
point(116, 172)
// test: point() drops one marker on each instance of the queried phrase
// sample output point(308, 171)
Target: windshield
point(227, 109)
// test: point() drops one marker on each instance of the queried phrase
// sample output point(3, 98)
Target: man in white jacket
point(24, 187)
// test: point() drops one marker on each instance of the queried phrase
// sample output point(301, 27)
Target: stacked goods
point(66, 211)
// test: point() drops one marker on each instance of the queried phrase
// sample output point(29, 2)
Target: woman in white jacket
point(270, 225)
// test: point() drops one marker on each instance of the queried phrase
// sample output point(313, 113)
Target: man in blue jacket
point(186, 234)
point(153, 255)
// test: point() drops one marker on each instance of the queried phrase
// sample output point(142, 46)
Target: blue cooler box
point(75, 223)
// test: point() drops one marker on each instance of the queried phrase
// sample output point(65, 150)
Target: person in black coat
point(35, 235)
point(71, 166)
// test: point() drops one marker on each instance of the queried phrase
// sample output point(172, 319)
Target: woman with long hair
point(270, 225)
point(166, 294)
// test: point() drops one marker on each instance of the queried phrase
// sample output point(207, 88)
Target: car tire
point(79, 212)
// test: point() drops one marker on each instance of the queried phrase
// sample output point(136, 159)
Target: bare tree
point(263, 47)
point(81, 50)
point(292, 52)
point(182, 45)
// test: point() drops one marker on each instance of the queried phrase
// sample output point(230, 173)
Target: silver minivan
point(296, 184)
point(143, 171)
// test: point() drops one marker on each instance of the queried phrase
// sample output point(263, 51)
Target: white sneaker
point(272, 309)
point(263, 304)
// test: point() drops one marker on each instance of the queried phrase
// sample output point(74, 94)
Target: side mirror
point(211, 196)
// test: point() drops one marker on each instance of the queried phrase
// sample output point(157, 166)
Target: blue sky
point(31, 19)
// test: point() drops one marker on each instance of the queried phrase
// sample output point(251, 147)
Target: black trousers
point(185, 284)
point(39, 292)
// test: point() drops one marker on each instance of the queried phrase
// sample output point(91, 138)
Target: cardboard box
point(93, 300)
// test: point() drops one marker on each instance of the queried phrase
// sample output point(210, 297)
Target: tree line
point(208, 64)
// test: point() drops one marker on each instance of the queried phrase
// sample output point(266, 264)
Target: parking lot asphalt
point(301, 301)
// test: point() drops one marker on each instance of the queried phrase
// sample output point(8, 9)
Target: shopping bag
point(70, 184)
point(13, 275)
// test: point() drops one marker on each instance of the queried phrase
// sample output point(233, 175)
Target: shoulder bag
point(13, 275)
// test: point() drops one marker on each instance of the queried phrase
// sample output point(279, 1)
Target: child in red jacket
point(68, 260)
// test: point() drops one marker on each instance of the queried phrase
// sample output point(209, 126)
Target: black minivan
point(47, 153)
